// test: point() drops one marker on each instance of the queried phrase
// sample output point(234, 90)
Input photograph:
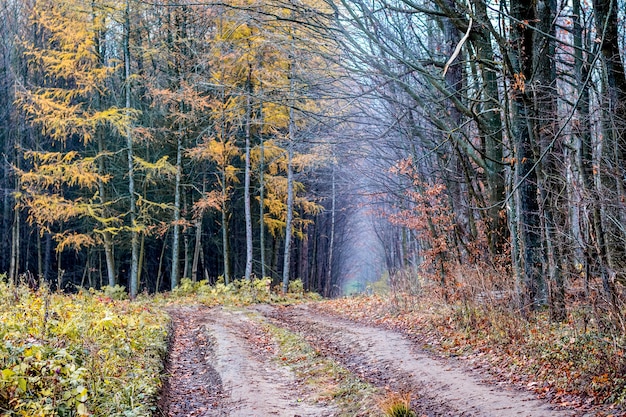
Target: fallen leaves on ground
point(571, 369)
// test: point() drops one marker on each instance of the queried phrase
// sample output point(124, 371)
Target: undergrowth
point(397, 405)
point(78, 355)
point(239, 292)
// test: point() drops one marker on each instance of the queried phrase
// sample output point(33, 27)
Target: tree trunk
point(262, 197)
point(107, 237)
point(331, 241)
point(176, 229)
point(546, 130)
point(134, 234)
point(290, 198)
point(225, 243)
point(14, 263)
point(584, 162)
point(187, 255)
point(290, 190)
point(247, 174)
point(142, 256)
point(197, 249)
point(529, 229)
point(47, 258)
point(491, 131)
point(612, 194)
point(15, 245)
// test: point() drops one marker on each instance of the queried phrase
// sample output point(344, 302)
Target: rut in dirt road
point(387, 358)
point(193, 387)
point(214, 371)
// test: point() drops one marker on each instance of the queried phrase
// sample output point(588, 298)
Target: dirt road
point(236, 362)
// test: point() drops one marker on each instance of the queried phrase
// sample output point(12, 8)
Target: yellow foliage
point(69, 58)
point(75, 354)
point(48, 209)
point(77, 241)
point(220, 152)
point(160, 168)
point(276, 205)
point(273, 154)
point(56, 169)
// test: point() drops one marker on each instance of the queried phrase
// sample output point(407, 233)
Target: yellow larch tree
point(63, 186)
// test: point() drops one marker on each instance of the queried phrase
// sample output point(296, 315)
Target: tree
point(61, 186)
point(134, 227)
point(611, 236)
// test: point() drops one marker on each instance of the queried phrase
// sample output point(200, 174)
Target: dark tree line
point(146, 143)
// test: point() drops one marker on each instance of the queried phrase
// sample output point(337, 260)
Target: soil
point(222, 364)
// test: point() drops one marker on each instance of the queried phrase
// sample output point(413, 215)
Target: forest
point(460, 164)
point(475, 148)
point(147, 142)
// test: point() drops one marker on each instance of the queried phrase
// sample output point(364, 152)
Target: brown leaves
point(519, 82)
point(209, 200)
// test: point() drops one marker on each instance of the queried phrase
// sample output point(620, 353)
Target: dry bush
point(397, 405)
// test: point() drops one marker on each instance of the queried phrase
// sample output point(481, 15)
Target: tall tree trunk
point(262, 199)
point(134, 234)
point(290, 198)
point(546, 129)
point(225, 240)
point(15, 245)
point(247, 174)
point(529, 229)
point(331, 241)
point(197, 249)
point(107, 237)
point(584, 162)
point(5, 139)
point(176, 229)
point(186, 244)
point(142, 257)
point(491, 131)
point(14, 263)
point(290, 189)
point(612, 193)
point(47, 258)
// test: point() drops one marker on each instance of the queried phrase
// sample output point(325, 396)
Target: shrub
point(78, 355)
point(240, 292)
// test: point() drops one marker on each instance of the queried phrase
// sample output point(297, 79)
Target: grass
point(397, 405)
point(326, 380)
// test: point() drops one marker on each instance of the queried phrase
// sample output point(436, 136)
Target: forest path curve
point(216, 370)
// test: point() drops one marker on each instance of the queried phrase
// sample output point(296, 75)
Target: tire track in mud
point(214, 371)
point(388, 359)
